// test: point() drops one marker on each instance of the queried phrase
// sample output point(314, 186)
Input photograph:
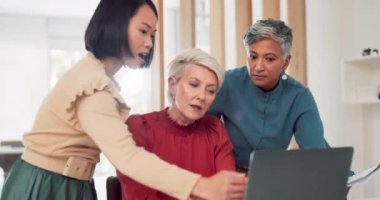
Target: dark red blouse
point(202, 147)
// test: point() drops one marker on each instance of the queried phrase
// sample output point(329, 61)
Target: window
point(202, 24)
point(60, 61)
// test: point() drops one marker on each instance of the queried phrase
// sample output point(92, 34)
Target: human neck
point(176, 116)
point(112, 65)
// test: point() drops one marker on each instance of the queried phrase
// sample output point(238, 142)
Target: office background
point(39, 39)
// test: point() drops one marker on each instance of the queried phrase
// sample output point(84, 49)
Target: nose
point(259, 65)
point(201, 95)
point(148, 42)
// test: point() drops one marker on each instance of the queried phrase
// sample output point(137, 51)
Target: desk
point(8, 155)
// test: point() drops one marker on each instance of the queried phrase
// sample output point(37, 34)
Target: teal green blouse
point(257, 120)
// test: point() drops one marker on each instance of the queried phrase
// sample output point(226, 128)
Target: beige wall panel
point(187, 24)
point(217, 31)
point(243, 19)
point(271, 9)
point(296, 20)
point(158, 60)
point(297, 68)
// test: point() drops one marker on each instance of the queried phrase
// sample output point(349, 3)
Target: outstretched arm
point(100, 119)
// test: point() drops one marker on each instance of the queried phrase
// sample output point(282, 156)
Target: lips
point(258, 77)
point(142, 56)
point(196, 107)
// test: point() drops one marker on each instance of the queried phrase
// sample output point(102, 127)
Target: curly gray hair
point(270, 28)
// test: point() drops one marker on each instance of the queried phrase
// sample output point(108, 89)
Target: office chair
point(113, 188)
point(10, 151)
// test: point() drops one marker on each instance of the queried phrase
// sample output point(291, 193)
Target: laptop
point(314, 174)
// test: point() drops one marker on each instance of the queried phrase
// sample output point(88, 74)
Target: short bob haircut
point(107, 32)
point(197, 57)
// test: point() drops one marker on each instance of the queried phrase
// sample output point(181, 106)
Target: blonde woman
point(181, 134)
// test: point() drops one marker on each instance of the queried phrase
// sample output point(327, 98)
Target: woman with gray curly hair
point(262, 106)
point(181, 134)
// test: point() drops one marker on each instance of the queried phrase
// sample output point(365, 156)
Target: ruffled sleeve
point(84, 79)
point(141, 130)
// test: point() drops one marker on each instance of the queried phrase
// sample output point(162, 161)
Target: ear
point(287, 61)
point(172, 83)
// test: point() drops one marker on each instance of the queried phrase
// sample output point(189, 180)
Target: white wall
point(24, 65)
point(56, 8)
point(23, 77)
point(337, 30)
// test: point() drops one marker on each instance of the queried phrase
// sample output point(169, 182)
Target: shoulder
point(214, 130)
point(211, 119)
point(142, 119)
point(235, 77)
point(87, 69)
point(236, 73)
point(300, 93)
point(142, 127)
point(212, 124)
point(88, 75)
point(294, 86)
point(82, 81)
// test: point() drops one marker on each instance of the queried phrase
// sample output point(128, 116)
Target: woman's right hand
point(221, 186)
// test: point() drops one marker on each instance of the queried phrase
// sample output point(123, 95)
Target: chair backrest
point(10, 151)
point(12, 143)
point(113, 188)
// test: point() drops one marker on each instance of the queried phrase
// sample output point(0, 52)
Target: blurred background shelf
point(361, 80)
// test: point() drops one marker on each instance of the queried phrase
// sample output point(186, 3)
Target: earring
point(284, 76)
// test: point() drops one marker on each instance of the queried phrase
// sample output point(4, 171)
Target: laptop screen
point(313, 174)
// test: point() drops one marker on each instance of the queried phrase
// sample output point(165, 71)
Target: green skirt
point(26, 181)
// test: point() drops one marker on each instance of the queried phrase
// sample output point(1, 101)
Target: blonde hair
point(197, 57)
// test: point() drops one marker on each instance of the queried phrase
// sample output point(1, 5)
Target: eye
point(193, 84)
point(270, 59)
point(211, 91)
point(252, 57)
point(143, 31)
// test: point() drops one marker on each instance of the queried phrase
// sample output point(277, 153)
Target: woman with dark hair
point(84, 115)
